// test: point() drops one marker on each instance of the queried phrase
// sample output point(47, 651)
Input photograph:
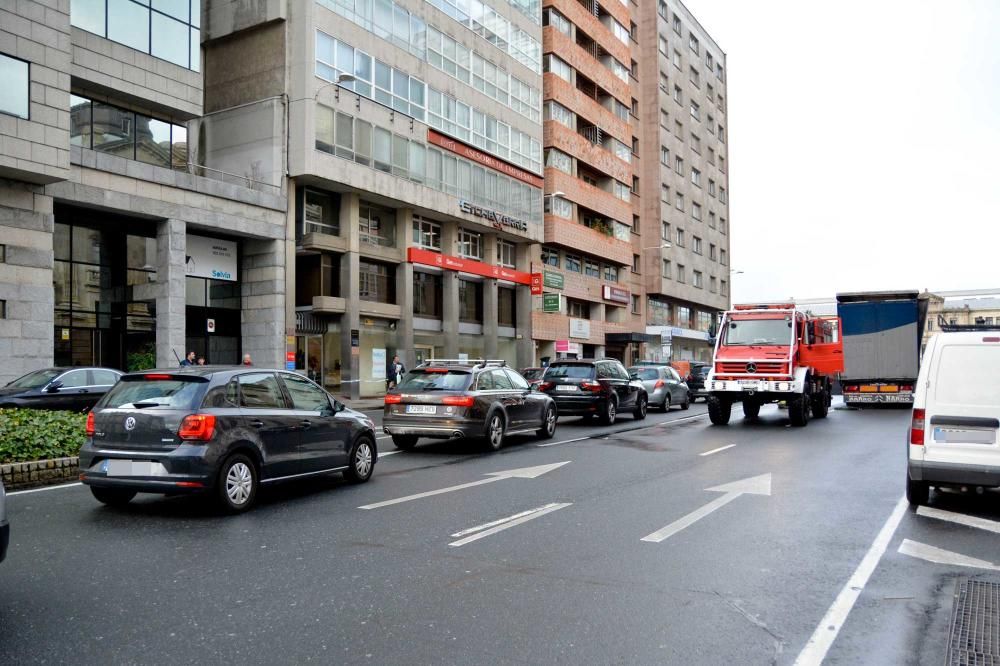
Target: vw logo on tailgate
point(751, 368)
point(130, 423)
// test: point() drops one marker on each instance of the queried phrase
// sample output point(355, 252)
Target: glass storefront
point(378, 345)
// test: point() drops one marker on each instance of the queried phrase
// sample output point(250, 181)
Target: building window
point(574, 263)
point(557, 21)
point(711, 187)
point(377, 282)
point(722, 164)
point(679, 240)
point(696, 211)
point(698, 280)
point(695, 111)
point(635, 263)
point(658, 312)
point(592, 269)
point(679, 165)
point(426, 234)
point(722, 225)
point(696, 245)
point(711, 251)
point(14, 83)
point(134, 136)
point(722, 195)
point(559, 67)
point(664, 119)
point(169, 30)
point(550, 257)
point(559, 207)
point(665, 231)
point(720, 132)
point(610, 273)
point(470, 302)
point(470, 244)
point(695, 177)
point(711, 219)
point(665, 194)
point(679, 130)
point(723, 288)
point(679, 202)
point(506, 308)
point(427, 290)
point(506, 253)
point(579, 309)
point(695, 78)
point(677, 25)
point(621, 190)
point(693, 43)
point(712, 284)
point(635, 110)
point(695, 143)
point(683, 316)
point(666, 268)
point(722, 257)
point(662, 44)
point(377, 225)
point(635, 304)
point(3, 309)
point(664, 156)
point(678, 95)
point(681, 273)
point(559, 113)
point(557, 159)
point(675, 59)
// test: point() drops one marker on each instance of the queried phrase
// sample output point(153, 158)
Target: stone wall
point(17, 476)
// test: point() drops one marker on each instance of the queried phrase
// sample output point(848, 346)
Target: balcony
point(319, 242)
point(585, 63)
point(563, 138)
point(584, 106)
point(570, 234)
point(603, 203)
point(328, 305)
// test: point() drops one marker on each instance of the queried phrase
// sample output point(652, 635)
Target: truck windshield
point(747, 332)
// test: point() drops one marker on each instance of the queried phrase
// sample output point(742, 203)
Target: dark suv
point(696, 380)
point(589, 388)
point(445, 399)
point(224, 431)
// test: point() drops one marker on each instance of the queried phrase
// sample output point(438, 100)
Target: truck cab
point(770, 353)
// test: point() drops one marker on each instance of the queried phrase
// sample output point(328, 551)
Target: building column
point(263, 286)
point(171, 292)
point(491, 319)
point(350, 285)
point(523, 303)
point(449, 292)
point(404, 291)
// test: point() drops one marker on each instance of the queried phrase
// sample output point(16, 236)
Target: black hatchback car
point(445, 399)
point(590, 388)
point(222, 431)
point(76, 389)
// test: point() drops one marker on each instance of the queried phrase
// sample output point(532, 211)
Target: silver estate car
point(664, 386)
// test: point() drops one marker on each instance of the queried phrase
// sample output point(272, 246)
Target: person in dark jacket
point(189, 359)
point(394, 371)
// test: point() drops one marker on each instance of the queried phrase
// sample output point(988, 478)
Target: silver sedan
point(664, 386)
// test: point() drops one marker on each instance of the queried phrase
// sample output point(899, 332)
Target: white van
point(953, 439)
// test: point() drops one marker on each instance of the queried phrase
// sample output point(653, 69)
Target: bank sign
point(498, 220)
point(210, 258)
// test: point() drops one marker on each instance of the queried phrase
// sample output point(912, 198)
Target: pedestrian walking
point(394, 372)
point(189, 359)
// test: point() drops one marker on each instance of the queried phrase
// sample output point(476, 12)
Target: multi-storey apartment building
point(685, 253)
point(118, 246)
point(414, 174)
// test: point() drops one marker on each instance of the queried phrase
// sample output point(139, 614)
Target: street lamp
point(341, 79)
point(733, 271)
point(662, 246)
point(560, 193)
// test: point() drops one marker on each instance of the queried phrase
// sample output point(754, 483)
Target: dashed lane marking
point(721, 448)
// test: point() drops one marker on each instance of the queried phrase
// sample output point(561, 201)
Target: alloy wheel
point(239, 481)
point(363, 459)
point(496, 431)
point(550, 421)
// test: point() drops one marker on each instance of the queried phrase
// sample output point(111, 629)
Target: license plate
point(565, 387)
point(129, 467)
point(964, 436)
point(421, 409)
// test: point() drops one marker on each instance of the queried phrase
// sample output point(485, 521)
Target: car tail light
point(906, 387)
point(200, 427)
point(658, 384)
point(917, 428)
point(545, 386)
point(155, 376)
point(90, 424)
point(851, 388)
point(591, 385)
point(393, 399)
point(458, 400)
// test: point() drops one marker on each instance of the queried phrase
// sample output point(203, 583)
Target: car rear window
point(145, 392)
point(531, 373)
point(968, 375)
point(433, 379)
point(570, 371)
point(645, 373)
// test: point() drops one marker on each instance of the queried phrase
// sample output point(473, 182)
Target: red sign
point(416, 255)
point(562, 345)
point(617, 294)
point(480, 157)
point(536, 284)
point(290, 356)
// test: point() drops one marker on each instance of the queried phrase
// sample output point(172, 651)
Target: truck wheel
point(751, 409)
point(821, 405)
point(798, 410)
point(719, 410)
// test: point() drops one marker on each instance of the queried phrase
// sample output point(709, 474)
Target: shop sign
point(210, 258)
point(210, 325)
point(480, 157)
point(536, 284)
point(290, 357)
point(554, 280)
point(415, 255)
point(551, 302)
point(666, 337)
point(65, 334)
point(567, 347)
point(355, 337)
point(617, 294)
point(378, 364)
point(579, 328)
point(498, 220)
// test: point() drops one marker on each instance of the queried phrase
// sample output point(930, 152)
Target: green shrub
point(38, 434)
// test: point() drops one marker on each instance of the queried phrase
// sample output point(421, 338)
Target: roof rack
point(481, 362)
point(958, 328)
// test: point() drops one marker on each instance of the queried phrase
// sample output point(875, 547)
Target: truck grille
point(740, 367)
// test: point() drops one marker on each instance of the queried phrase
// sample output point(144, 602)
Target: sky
point(864, 144)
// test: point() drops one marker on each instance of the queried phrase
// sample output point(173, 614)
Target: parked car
point(4, 525)
point(663, 385)
point(76, 389)
point(533, 375)
point(590, 388)
point(224, 431)
point(953, 435)
point(696, 380)
point(445, 399)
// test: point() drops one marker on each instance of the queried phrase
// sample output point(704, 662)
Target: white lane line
point(383, 454)
point(960, 518)
point(922, 551)
point(538, 513)
point(38, 490)
point(564, 441)
point(826, 631)
point(485, 526)
point(384, 437)
point(721, 448)
point(606, 435)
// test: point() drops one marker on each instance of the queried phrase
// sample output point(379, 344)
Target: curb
point(35, 473)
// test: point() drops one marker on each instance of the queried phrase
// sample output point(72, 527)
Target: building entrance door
point(309, 356)
point(422, 353)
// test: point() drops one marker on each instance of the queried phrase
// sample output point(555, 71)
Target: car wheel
point(112, 496)
point(495, 429)
point(666, 403)
point(404, 442)
point(687, 402)
point(719, 410)
point(236, 488)
point(548, 429)
point(917, 492)
point(641, 406)
point(361, 462)
point(610, 412)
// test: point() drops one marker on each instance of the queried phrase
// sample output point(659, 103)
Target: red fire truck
point(770, 353)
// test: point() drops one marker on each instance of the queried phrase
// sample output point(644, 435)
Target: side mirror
point(53, 387)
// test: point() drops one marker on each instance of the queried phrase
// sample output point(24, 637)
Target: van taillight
point(917, 428)
point(90, 424)
point(200, 427)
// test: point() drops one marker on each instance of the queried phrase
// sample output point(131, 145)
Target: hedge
point(38, 434)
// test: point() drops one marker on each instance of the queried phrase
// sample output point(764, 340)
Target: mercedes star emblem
point(130, 423)
point(751, 368)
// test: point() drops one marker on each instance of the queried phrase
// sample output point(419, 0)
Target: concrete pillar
point(525, 344)
point(491, 319)
point(404, 290)
point(350, 285)
point(171, 292)
point(449, 292)
point(263, 285)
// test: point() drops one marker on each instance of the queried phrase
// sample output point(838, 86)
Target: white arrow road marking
point(721, 448)
point(756, 485)
point(487, 529)
point(922, 551)
point(960, 518)
point(826, 631)
point(522, 473)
